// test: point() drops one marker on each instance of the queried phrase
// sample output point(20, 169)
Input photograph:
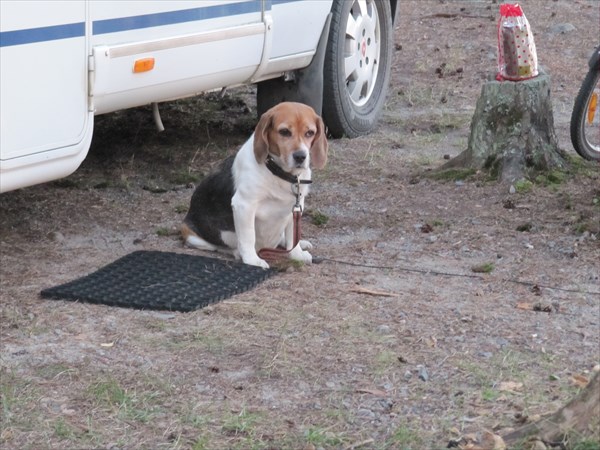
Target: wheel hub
point(362, 51)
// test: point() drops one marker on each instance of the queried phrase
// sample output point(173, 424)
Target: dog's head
point(294, 135)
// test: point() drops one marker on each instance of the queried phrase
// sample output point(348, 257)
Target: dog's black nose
point(299, 156)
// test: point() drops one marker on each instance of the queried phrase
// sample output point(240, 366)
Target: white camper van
point(63, 62)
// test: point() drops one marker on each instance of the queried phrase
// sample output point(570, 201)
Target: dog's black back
point(210, 208)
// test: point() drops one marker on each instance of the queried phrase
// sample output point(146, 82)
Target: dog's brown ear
point(261, 137)
point(318, 150)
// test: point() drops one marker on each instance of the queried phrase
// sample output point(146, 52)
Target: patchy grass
point(184, 177)
point(487, 267)
point(62, 430)
point(527, 226)
point(587, 444)
point(523, 186)
point(17, 396)
point(163, 231)
point(55, 371)
point(489, 395)
point(321, 437)
point(581, 167)
point(243, 423)
point(384, 361)
point(404, 438)
point(139, 404)
point(318, 218)
point(552, 178)
point(182, 209)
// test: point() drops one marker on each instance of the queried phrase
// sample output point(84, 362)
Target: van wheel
point(357, 66)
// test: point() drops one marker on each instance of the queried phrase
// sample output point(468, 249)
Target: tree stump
point(512, 131)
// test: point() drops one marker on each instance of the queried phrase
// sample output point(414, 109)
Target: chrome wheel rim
point(362, 51)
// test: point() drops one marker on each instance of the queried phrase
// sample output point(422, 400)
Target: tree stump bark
point(579, 417)
point(512, 131)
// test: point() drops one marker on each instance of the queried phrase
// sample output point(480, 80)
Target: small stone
point(512, 189)
point(386, 404)
point(538, 445)
point(383, 329)
point(423, 374)
point(407, 375)
point(56, 236)
point(501, 342)
point(364, 412)
point(562, 28)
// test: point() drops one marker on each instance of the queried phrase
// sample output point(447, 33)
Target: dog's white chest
point(273, 216)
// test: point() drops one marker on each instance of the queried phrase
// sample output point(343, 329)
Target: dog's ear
point(318, 150)
point(261, 137)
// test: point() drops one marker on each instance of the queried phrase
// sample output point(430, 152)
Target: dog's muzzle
point(299, 158)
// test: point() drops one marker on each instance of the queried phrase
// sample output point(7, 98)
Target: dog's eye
point(309, 133)
point(285, 132)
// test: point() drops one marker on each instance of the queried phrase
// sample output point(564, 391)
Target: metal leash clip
point(296, 191)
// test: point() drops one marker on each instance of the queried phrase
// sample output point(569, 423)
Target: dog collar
point(280, 173)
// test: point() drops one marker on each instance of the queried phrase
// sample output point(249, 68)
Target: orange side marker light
point(592, 108)
point(143, 65)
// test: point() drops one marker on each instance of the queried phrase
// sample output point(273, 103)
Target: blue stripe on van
point(51, 33)
point(173, 17)
point(71, 30)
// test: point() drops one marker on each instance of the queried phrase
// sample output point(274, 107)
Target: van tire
point(353, 102)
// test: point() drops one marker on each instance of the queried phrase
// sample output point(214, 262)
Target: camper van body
point(63, 62)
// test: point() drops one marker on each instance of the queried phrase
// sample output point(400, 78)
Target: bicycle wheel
point(585, 119)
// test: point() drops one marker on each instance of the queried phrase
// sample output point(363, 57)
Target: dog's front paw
point(256, 261)
point(305, 245)
point(298, 254)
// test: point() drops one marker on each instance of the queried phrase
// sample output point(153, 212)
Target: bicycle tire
point(580, 141)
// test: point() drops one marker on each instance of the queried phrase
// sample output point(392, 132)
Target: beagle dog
point(247, 204)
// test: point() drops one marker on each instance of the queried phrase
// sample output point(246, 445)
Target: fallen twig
point(361, 290)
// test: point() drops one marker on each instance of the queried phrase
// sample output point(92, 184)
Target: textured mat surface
point(161, 280)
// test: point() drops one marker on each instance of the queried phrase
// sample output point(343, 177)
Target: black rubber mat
point(161, 280)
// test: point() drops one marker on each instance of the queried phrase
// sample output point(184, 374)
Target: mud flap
point(305, 87)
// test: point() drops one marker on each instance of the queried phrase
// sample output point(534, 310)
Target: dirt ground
point(443, 307)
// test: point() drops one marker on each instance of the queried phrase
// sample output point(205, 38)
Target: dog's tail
point(191, 239)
